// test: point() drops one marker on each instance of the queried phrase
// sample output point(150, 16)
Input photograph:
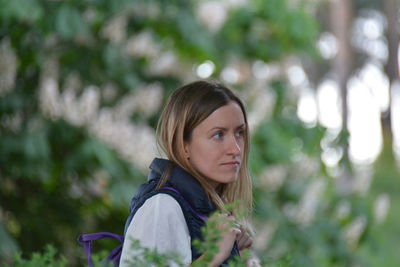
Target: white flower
point(272, 177)
point(165, 64)
point(49, 95)
point(381, 207)
point(115, 29)
point(49, 98)
point(264, 235)
point(146, 100)
point(142, 45)
point(343, 209)
point(262, 102)
point(307, 207)
point(150, 98)
point(212, 14)
point(354, 231)
point(89, 103)
point(12, 122)
point(362, 181)
point(135, 143)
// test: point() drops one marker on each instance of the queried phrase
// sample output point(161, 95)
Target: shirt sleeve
point(159, 224)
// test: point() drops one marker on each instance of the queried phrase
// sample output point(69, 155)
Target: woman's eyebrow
point(241, 126)
point(218, 128)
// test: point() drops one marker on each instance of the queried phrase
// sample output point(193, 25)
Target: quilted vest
point(187, 191)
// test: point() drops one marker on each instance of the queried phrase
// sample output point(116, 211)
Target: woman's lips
point(232, 164)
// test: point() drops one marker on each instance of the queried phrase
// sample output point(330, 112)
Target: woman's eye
point(240, 133)
point(218, 135)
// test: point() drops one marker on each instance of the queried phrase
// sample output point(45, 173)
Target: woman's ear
point(186, 148)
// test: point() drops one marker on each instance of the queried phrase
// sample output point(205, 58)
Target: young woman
point(204, 133)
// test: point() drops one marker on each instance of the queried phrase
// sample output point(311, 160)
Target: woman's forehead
point(227, 116)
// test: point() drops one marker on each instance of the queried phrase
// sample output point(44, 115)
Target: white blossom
point(115, 29)
point(89, 103)
point(264, 235)
point(135, 143)
point(362, 181)
point(354, 231)
point(272, 177)
point(262, 102)
point(212, 14)
point(49, 95)
point(303, 213)
point(70, 107)
point(12, 122)
point(49, 98)
point(142, 45)
point(146, 100)
point(309, 202)
point(150, 98)
point(381, 207)
point(343, 209)
point(165, 64)
point(305, 165)
point(260, 70)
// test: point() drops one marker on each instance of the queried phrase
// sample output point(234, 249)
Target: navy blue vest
point(194, 202)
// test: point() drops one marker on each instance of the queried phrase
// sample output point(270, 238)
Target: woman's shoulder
point(163, 197)
point(162, 202)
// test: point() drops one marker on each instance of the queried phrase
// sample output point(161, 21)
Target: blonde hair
point(186, 108)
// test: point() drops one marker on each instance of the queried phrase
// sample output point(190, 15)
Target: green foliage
point(284, 144)
point(31, 12)
point(268, 30)
point(48, 258)
point(49, 166)
point(379, 247)
point(144, 257)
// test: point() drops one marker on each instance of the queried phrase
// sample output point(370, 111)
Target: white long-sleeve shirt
point(159, 224)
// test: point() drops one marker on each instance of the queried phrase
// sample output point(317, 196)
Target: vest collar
point(185, 183)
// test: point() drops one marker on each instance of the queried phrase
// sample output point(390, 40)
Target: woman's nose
point(233, 146)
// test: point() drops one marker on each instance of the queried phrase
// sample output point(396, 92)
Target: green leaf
point(69, 22)
point(21, 10)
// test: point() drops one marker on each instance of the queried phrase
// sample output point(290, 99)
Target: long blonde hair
point(186, 108)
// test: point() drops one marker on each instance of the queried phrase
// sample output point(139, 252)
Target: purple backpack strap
point(201, 216)
point(87, 239)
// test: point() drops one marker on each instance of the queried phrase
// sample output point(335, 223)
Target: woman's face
point(216, 146)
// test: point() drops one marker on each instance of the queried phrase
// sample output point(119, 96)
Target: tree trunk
point(341, 20)
point(390, 9)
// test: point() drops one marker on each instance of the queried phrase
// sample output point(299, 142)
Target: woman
point(204, 133)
